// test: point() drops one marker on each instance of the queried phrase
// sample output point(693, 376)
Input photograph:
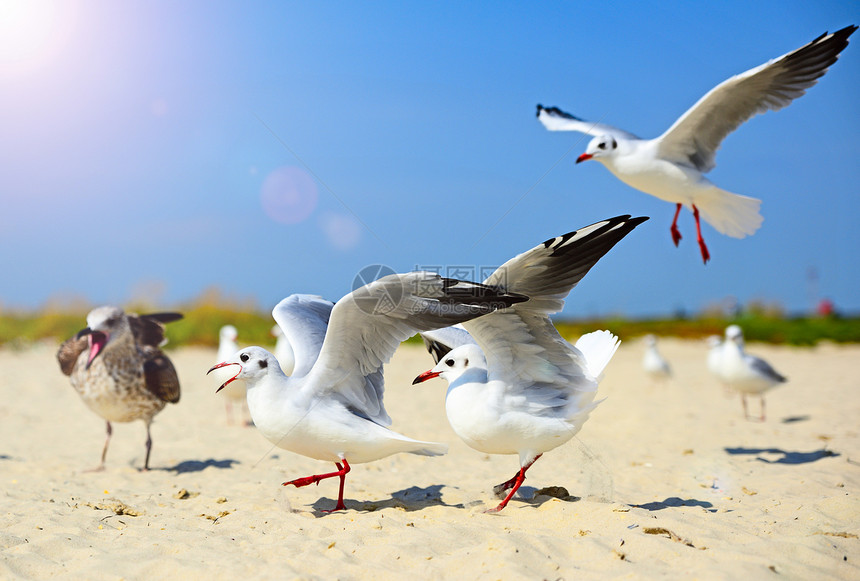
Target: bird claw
point(306, 481)
point(676, 235)
point(706, 256)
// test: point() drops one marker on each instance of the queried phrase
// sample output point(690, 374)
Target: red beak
point(219, 366)
point(584, 157)
point(425, 376)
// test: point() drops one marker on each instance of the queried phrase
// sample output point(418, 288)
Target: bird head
point(254, 363)
point(104, 324)
point(601, 146)
point(457, 362)
point(228, 333)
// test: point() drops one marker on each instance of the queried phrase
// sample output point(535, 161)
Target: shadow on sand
point(674, 502)
point(786, 456)
point(199, 466)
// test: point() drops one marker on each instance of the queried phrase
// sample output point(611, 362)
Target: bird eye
point(601, 145)
point(244, 357)
point(449, 363)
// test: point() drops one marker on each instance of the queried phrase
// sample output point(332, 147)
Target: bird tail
point(730, 214)
point(597, 348)
point(430, 449)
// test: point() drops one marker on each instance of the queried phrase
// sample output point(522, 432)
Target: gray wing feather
point(764, 368)
point(368, 325)
point(696, 136)
point(521, 342)
point(304, 320)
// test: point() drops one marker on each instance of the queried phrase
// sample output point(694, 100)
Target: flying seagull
point(672, 166)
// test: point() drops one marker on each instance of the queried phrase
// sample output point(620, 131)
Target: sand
point(665, 480)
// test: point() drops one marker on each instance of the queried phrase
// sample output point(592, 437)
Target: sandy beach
point(665, 480)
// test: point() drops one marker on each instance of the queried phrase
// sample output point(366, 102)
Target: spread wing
point(69, 352)
point(441, 341)
point(555, 119)
point(303, 319)
point(160, 375)
point(521, 345)
point(368, 325)
point(149, 329)
point(696, 136)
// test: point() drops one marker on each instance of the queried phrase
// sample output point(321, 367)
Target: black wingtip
point(163, 317)
point(623, 224)
point(557, 112)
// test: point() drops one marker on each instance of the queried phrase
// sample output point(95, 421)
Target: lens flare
point(289, 195)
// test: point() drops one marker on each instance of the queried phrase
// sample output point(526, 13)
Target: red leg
point(315, 479)
point(514, 484)
point(500, 488)
point(676, 235)
point(706, 256)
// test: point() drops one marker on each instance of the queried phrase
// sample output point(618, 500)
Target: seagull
point(746, 373)
point(117, 368)
point(714, 359)
point(671, 167)
point(331, 407)
point(227, 346)
point(515, 386)
point(653, 362)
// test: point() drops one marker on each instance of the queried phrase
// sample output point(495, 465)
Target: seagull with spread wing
point(671, 167)
point(331, 407)
point(515, 386)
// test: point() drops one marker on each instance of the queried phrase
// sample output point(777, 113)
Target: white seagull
point(671, 166)
point(745, 373)
point(227, 346)
point(653, 363)
point(331, 407)
point(515, 386)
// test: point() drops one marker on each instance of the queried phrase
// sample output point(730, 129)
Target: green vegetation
point(205, 316)
point(779, 330)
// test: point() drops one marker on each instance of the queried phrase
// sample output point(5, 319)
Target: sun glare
point(30, 31)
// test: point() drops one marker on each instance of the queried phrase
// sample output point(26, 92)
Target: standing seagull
point(653, 363)
point(671, 167)
point(116, 366)
point(331, 407)
point(235, 394)
point(743, 372)
point(522, 389)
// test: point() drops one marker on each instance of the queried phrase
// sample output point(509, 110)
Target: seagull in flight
point(671, 167)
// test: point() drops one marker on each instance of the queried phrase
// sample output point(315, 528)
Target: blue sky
point(149, 147)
